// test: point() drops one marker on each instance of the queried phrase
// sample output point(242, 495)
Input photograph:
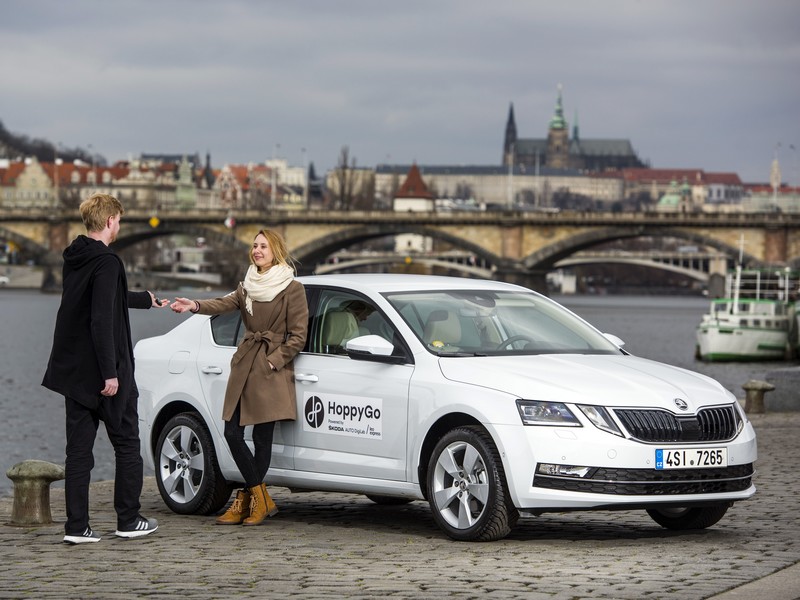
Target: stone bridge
point(522, 246)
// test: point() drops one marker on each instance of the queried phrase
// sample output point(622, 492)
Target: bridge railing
point(505, 217)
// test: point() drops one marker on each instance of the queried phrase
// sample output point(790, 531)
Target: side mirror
point(372, 348)
point(614, 339)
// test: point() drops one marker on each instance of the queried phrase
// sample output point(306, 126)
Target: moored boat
point(756, 320)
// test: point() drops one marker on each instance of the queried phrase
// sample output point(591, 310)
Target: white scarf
point(263, 287)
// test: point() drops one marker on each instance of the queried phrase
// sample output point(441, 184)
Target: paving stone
point(324, 545)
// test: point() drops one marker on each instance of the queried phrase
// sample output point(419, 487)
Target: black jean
point(82, 424)
point(253, 468)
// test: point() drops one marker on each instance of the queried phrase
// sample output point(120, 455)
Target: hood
point(83, 250)
point(589, 379)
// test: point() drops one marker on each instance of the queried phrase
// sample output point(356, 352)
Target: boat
point(756, 320)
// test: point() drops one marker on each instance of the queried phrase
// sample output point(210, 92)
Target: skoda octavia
point(486, 399)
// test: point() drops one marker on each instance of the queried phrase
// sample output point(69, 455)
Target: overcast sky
point(710, 84)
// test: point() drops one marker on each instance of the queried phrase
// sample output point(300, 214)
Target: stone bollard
point(32, 479)
point(754, 397)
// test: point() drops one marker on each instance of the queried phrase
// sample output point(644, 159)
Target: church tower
point(558, 138)
point(510, 139)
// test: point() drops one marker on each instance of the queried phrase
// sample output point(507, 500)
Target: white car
point(486, 399)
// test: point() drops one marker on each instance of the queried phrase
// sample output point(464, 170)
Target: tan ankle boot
point(261, 505)
point(238, 511)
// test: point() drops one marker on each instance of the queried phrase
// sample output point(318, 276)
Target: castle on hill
point(559, 150)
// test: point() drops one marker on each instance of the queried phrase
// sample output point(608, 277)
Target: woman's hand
point(182, 305)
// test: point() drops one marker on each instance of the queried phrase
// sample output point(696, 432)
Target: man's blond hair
point(96, 210)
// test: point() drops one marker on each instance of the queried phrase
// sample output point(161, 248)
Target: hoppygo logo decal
point(344, 415)
point(315, 412)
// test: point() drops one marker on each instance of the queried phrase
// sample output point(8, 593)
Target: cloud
point(709, 84)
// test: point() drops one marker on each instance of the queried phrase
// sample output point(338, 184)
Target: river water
point(32, 418)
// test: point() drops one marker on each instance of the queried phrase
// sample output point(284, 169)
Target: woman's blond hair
point(280, 253)
point(96, 210)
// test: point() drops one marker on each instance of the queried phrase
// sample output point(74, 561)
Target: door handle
point(212, 370)
point(306, 378)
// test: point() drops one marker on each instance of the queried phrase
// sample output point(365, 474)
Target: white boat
point(755, 321)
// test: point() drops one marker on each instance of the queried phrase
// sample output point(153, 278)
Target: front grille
point(652, 482)
point(653, 425)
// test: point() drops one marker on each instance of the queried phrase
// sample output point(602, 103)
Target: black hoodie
point(92, 340)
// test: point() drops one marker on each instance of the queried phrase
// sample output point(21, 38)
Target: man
point(91, 365)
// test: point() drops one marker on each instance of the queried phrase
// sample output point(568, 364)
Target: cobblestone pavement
point(324, 545)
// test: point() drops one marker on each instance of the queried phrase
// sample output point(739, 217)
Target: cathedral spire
point(575, 135)
point(511, 137)
point(558, 122)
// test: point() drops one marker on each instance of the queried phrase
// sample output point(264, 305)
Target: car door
point(352, 414)
point(214, 367)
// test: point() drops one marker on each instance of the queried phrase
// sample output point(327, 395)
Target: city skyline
point(709, 85)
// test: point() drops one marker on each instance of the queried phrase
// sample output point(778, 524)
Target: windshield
point(470, 323)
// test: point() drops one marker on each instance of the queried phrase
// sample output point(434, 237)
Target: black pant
point(252, 468)
point(82, 426)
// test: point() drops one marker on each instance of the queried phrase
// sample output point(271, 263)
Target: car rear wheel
point(467, 487)
point(697, 517)
point(188, 476)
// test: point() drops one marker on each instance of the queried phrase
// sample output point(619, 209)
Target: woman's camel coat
point(275, 333)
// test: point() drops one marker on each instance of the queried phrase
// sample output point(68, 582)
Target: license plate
point(691, 458)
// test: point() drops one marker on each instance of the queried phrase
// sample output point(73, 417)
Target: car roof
point(393, 282)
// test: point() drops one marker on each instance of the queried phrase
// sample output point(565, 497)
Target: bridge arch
point(473, 271)
point(25, 243)
point(546, 257)
point(700, 276)
point(134, 234)
point(308, 255)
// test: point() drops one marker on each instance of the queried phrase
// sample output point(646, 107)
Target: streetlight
point(274, 174)
point(775, 177)
point(94, 172)
point(511, 178)
point(56, 161)
point(305, 179)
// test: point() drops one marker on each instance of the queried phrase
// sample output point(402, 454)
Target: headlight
point(600, 418)
point(541, 412)
point(741, 417)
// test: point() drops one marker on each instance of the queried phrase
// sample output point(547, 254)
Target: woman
point(261, 385)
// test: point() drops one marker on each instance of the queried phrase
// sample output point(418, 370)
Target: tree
point(344, 177)
point(44, 151)
point(364, 199)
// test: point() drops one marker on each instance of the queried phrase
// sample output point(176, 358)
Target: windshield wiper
point(460, 354)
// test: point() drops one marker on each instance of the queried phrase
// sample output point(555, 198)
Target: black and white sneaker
point(138, 528)
point(87, 536)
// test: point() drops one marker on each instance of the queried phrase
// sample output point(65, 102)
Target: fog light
point(562, 470)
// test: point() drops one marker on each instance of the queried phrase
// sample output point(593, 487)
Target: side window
point(340, 316)
point(226, 329)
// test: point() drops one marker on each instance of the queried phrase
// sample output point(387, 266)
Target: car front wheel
point(467, 488)
point(188, 476)
point(698, 517)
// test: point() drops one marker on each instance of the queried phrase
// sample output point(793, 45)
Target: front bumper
point(620, 472)
point(652, 482)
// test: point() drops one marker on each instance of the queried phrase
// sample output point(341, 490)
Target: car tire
point(467, 489)
point(693, 517)
point(388, 500)
point(187, 474)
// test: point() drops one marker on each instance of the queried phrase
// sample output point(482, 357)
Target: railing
point(750, 220)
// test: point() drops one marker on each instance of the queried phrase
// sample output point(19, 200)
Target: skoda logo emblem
point(681, 403)
point(314, 412)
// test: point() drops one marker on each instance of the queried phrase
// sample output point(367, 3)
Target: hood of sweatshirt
point(83, 250)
